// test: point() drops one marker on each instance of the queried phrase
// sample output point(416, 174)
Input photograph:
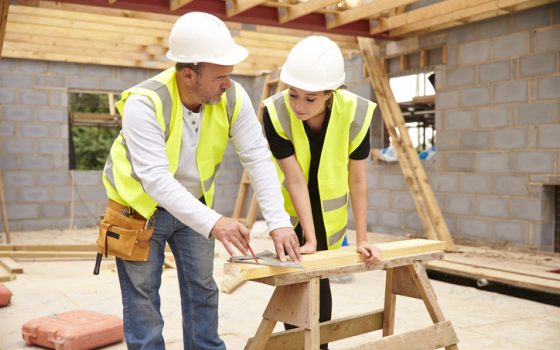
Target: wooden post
point(4, 5)
point(415, 176)
point(4, 211)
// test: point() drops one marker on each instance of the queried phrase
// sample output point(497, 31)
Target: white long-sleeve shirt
point(179, 193)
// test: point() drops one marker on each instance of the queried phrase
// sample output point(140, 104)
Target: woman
point(319, 135)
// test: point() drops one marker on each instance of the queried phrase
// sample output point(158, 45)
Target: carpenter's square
point(265, 258)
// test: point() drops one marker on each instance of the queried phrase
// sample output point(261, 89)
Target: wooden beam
point(302, 9)
point(330, 331)
point(335, 258)
point(177, 4)
point(234, 7)
point(512, 278)
point(365, 11)
point(433, 337)
point(4, 5)
point(10, 265)
point(459, 14)
point(423, 13)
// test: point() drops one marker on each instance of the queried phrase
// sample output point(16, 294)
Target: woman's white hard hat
point(314, 64)
point(202, 37)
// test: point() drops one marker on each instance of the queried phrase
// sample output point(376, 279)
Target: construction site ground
point(482, 320)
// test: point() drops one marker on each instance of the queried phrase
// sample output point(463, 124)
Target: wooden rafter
point(177, 4)
point(234, 7)
point(302, 9)
point(453, 14)
point(373, 9)
point(440, 8)
point(4, 4)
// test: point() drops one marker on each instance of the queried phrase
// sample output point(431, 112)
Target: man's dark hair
point(195, 67)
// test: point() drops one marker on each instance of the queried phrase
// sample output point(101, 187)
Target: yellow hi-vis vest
point(121, 182)
point(350, 119)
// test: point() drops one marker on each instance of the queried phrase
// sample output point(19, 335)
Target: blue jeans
point(140, 282)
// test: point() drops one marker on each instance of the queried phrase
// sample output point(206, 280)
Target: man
point(175, 129)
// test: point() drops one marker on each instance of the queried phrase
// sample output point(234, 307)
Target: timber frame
point(133, 33)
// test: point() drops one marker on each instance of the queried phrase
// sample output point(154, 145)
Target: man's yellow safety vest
point(350, 119)
point(121, 182)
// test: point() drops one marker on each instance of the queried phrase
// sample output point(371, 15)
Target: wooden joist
point(4, 4)
point(234, 7)
point(335, 259)
point(413, 171)
point(302, 9)
point(177, 4)
point(478, 272)
point(10, 265)
point(461, 15)
point(372, 9)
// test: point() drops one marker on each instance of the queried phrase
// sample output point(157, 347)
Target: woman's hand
point(308, 247)
point(370, 252)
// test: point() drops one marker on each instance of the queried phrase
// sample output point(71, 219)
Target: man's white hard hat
point(202, 37)
point(314, 64)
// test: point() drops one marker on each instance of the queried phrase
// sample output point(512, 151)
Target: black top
point(282, 148)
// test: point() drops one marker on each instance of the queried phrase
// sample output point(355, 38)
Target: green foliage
point(92, 145)
point(89, 103)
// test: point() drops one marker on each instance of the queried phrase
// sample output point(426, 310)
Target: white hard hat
point(314, 64)
point(202, 37)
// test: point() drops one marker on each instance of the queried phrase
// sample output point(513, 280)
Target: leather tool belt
point(123, 233)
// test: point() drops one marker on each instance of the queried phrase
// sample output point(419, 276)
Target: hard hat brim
point(291, 81)
point(235, 56)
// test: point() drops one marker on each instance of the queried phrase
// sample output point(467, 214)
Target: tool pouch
point(123, 235)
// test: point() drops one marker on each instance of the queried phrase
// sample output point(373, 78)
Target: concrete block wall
point(40, 190)
point(498, 135)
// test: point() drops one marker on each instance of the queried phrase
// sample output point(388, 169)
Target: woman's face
point(307, 104)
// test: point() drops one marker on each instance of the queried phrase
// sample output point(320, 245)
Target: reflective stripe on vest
point(121, 182)
point(350, 119)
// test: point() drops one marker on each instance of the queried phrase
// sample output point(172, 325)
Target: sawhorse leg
point(296, 304)
point(412, 281)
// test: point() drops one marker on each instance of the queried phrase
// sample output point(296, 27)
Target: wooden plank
point(423, 13)
point(389, 304)
point(495, 7)
point(3, 206)
point(413, 169)
point(10, 265)
point(263, 334)
point(324, 260)
point(514, 279)
point(506, 265)
point(433, 337)
point(234, 7)
point(420, 279)
point(302, 9)
point(4, 6)
point(486, 15)
point(95, 14)
point(372, 9)
point(330, 331)
point(49, 247)
point(177, 4)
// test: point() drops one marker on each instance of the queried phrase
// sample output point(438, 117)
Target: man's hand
point(286, 241)
point(370, 252)
point(231, 232)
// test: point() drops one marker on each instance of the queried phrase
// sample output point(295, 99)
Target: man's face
point(211, 82)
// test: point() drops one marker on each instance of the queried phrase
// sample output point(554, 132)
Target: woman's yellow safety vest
point(350, 119)
point(121, 182)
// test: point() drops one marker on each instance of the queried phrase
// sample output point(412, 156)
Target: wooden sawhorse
point(296, 301)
